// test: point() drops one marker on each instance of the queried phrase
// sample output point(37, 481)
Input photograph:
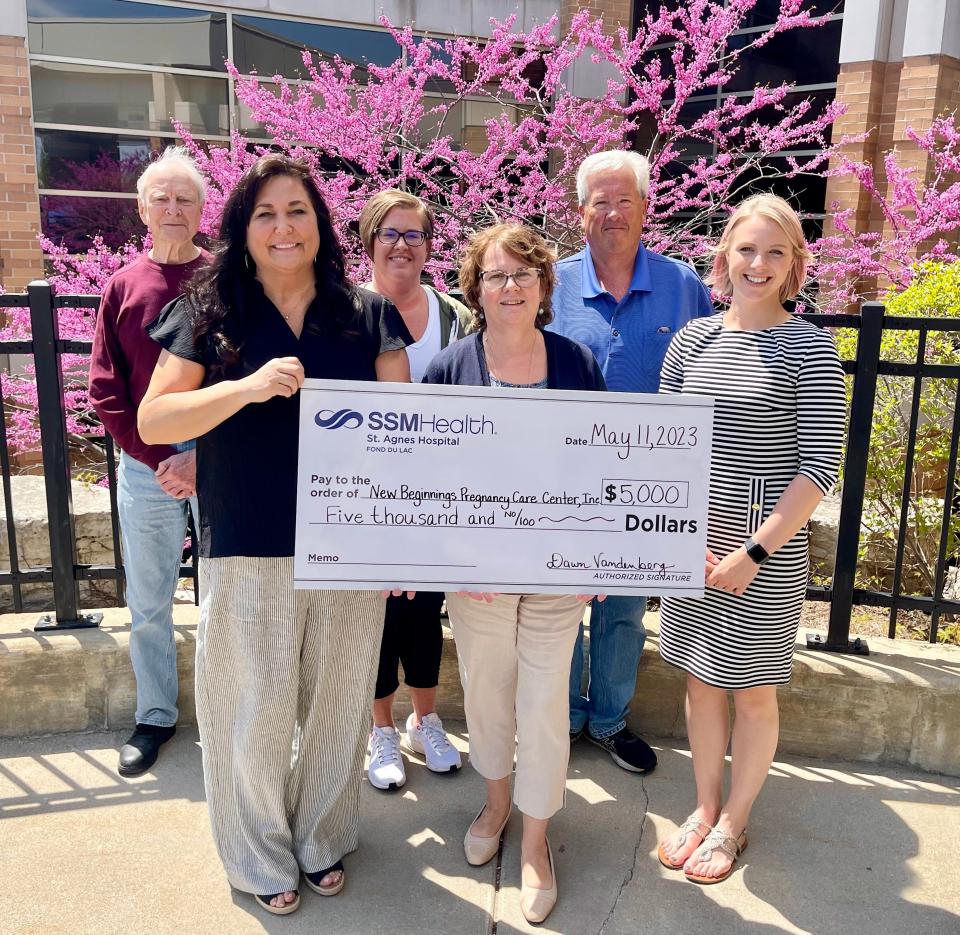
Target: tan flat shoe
point(537, 904)
point(479, 850)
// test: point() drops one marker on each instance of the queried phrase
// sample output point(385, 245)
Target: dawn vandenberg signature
point(602, 560)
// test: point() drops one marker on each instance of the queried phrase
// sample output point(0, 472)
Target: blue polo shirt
point(629, 338)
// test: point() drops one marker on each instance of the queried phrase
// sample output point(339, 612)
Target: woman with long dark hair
point(284, 677)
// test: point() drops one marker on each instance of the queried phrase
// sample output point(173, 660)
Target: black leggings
point(412, 634)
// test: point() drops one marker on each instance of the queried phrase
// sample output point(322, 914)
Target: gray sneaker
point(431, 742)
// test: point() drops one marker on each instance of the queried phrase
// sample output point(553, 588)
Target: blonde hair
point(522, 242)
point(776, 209)
point(380, 205)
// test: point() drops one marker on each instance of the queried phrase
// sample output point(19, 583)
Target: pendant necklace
point(488, 343)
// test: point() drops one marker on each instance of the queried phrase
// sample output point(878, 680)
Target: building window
point(276, 46)
point(109, 77)
point(808, 58)
point(124, 99)
point(137, 33)
point(74, 220)
point(98, 162)
point(800, 56)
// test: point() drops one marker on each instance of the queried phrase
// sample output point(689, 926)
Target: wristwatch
point(756, 551)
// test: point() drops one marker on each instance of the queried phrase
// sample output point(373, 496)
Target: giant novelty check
point(446, 488)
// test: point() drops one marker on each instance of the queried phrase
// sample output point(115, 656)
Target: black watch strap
point(756, 551)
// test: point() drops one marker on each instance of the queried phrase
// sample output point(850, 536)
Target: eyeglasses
point(498, 279)
point(389, 236)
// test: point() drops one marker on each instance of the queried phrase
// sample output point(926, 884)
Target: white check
point(447, 488)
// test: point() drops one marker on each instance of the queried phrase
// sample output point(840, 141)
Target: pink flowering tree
point(74, 274)
point(397, 125)
point(921, 221)
point(396, 128)
point(392, 126)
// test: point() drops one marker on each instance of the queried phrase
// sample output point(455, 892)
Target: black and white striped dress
point(780, 411)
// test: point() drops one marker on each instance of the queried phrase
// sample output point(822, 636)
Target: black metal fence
point(64, 572)
point(866, 368)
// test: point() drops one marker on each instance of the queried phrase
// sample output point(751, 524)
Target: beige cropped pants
point(515, 668)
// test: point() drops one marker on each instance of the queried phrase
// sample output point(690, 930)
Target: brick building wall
point(20, 256)
point(883, 99)
point(614, 12)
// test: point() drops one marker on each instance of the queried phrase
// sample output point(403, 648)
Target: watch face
point(756, 551)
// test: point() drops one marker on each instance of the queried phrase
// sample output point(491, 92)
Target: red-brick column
point(614, 12)
point(20, 256)
point(883, 100)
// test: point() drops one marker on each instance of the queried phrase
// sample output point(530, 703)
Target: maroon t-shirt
point(123, 356)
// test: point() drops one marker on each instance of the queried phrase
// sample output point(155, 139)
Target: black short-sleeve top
point(247, 465)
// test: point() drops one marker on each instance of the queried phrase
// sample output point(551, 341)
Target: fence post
point(56, 464)
point(854, 485)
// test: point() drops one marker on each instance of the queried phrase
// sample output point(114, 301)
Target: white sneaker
point(385, 770)
point(430, 741)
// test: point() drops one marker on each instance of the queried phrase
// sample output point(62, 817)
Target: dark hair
point(217, 293)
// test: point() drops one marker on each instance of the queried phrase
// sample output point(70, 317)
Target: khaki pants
point(515, 668)
point(284, 685)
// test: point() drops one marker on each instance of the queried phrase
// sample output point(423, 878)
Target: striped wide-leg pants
point(285, 680)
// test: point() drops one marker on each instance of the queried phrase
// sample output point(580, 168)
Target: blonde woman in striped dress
point(778, 429)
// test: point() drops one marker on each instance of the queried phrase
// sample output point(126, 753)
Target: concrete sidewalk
point(835, 848)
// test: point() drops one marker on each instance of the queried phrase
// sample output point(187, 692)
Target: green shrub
point(935, 292)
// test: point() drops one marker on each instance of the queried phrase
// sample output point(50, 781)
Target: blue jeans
point(152, 529)
point(616, 643)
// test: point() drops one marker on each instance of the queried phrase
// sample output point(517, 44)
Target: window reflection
point(75, 220)
point(275, 46)
point(92, 161)
point(88, 95)
point(117, 30)
point(765, 13)
point(801, 56)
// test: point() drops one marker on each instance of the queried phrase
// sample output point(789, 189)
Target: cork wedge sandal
point(692, 825)
point(284, 910)
point(716, 840)
point(313, 880)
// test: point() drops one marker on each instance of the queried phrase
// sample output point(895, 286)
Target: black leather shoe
point(139, 753)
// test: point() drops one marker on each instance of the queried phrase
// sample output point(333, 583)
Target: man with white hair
point(625, 303)
point(155, 482)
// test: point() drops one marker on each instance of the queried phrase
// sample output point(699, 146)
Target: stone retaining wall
point(91, 507)
point(901, 704)
point(91, 510)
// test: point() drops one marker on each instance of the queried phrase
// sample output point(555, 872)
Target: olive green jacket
point(450, 311)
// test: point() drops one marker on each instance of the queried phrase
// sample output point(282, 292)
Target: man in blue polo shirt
point(625, 303)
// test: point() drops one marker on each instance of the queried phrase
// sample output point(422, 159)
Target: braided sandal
point(716, 840)
point(692, 825)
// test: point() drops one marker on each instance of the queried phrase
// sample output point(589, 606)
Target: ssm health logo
point(341, 419)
